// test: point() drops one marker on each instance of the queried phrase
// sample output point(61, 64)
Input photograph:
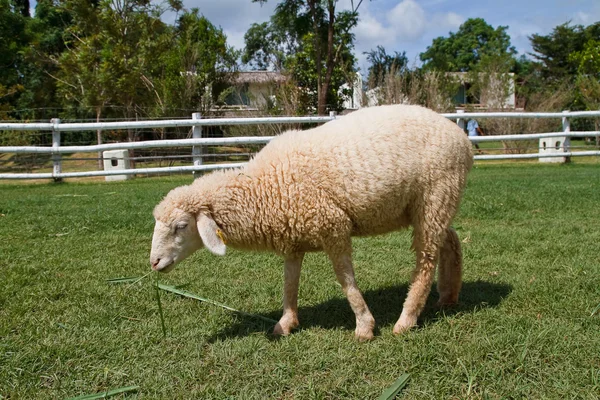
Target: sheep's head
point(178, 233)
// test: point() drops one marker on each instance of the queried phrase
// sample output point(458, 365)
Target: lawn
point(523, 328)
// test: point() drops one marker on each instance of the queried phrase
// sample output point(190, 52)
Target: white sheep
point(371, 172)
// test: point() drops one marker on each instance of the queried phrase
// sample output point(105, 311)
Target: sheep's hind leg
point(450, 270)
point(342, 265)
point(430, 229)
point(289, 320)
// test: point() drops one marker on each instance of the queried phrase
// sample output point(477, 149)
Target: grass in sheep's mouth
point(523, 328)
point(160, 309)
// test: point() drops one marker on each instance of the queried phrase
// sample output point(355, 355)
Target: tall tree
point(22, 7)
point(112, 54)
point(555, 51)
point(463, 50)
point(48, 30)
point(383, 64)
point(13, 42)
point(111, 58)
point(311, 28)
point(198, 66)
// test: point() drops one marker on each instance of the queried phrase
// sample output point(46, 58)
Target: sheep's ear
point(211, 235)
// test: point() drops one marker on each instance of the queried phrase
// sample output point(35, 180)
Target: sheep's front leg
point(289, 320)
point(342, 264)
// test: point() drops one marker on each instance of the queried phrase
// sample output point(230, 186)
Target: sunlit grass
point(527, 325)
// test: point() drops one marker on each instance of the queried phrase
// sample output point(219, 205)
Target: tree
point(588, 78)
point(463, 50)
point(556, 51)
point(588, 59)
point(295, 24)
point(383, 64)
point(22, 7)
point(198, 66)
point(111, 56)
point(48, 30)
point(112, 53)
point(13, 42)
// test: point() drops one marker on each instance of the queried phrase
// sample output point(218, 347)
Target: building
point(496, 91)
point(255, 89)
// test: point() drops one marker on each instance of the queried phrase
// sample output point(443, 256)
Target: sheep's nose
point(155, 263)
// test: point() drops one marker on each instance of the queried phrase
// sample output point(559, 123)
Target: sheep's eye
point(180, 226)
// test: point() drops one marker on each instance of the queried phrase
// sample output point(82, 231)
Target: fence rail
point(197, 142)
point(95, 126)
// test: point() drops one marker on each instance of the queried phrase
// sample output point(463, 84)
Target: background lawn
point(523, 328)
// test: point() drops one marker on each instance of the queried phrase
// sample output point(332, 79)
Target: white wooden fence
point(196, 142)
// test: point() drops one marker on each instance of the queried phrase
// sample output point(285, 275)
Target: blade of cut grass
point(391, 392)
point(160, 310)
point(196, 297)
point(139, 279)
point(595, 310)
point(104, 395)
point(123, 280)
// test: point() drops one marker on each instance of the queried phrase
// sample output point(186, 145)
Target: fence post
point(460, 121)
point(56, 157)
point(333, 114)
point(197, 150)
point(566, 125)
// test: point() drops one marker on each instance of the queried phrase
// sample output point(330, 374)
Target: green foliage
point(198, 66)
point(311, 42)
point(13, 43)
point(261, 50)
point(588, 59)
point(463, 50)
point(562, 51)
point(268, 44)
point(383, 64)
point(304, 73)
point(125, 58)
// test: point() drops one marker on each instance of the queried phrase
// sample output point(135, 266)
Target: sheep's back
point(373, 163)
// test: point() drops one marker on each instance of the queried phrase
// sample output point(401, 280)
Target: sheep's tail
point(450, 269)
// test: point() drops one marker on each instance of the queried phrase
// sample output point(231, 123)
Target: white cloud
point(406, 27)
point(407, 23)
point(407, 20)
point(369, 29)
point(587, 18)
point(449, 21)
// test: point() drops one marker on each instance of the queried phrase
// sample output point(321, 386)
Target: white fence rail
point(56, 150)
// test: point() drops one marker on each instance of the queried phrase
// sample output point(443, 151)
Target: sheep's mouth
point(165, 268)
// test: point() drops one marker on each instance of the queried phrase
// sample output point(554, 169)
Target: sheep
point(371, 172)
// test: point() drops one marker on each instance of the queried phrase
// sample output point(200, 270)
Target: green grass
point(523, 328)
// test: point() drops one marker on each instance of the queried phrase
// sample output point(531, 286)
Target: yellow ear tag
point(221, 236)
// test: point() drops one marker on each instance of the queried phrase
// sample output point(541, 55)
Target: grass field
point(523, 329)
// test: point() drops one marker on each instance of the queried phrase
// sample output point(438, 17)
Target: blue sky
point(411, 25)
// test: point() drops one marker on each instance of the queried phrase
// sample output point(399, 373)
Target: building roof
point(260, 77)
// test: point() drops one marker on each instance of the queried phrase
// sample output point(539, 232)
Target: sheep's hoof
point(364, 332)
point(363, 335)
point(447, 302)
point(404, 324)
point(285, 326)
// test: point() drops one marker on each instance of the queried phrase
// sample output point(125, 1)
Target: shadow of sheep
point(385, 305)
